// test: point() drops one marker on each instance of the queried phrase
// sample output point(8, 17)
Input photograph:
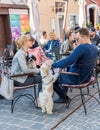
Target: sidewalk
point(27, 117)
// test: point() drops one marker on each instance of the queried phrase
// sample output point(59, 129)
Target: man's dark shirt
point(96, 40)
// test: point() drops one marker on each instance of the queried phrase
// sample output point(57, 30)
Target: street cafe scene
point(50, 64)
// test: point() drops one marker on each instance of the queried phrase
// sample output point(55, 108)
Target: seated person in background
point(95, 39)
point(83, 53)
point(67, 47)
point(13, 49)
point(37, 51)
point(20, 64)
point(43, 39)
point(98, 30)
point(76, 41)
point(52, 43)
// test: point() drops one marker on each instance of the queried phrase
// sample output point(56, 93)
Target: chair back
point(85, 76)
point(56, 50)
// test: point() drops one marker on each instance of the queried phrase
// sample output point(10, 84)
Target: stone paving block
point(12, 127)
point(25, 128)
point(95, 127)
point(71, 128)
point(16, 121)
point(27, 117)
point(7, 119)
point(3, 126)
point(37, 126)
point(26, 123)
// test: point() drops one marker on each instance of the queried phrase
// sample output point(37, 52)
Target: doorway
point(5, 35)
point(91, 12)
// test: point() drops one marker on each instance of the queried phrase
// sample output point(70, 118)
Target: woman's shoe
point(1, 97)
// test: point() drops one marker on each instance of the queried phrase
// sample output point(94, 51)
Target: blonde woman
point(20, 65)
point(51, 44)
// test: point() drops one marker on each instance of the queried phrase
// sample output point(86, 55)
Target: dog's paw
point(43, 111)
point(49, 112)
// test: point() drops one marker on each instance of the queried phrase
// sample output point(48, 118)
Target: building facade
point(54, 15)
point(93, 12)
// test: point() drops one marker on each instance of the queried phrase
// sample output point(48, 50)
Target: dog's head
point(31, 61)
point(45, 68)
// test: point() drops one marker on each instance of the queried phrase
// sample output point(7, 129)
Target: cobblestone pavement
point(27, 117)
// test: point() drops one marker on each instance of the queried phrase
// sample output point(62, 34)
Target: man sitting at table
point(82, 53)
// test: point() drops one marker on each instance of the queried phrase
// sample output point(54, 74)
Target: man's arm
point(74, 56)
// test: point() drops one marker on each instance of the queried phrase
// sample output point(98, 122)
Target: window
point(73, 20)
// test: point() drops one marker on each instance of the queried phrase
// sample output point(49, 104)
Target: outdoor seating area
point(26, 106)
point(26, 116)
point(50, 65)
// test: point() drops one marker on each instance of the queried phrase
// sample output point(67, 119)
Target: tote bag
point(6, 88)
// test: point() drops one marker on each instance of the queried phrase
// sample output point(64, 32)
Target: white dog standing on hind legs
point(45, 97)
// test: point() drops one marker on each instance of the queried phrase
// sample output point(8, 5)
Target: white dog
point(45, 97)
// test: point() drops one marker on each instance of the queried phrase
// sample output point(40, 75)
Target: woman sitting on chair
point(37, 51)
point(20, 64)
point(52, 43)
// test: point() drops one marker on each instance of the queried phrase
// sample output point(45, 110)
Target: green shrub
point(89, 25)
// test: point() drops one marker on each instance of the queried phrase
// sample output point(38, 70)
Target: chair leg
point(12, 102)
point(71, 90)
point(16, 98)
point(93, 85)
point(88, 90)
point(98, 87)
point(82, 99)
point(35, 96)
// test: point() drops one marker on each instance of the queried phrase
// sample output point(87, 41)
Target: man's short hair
point(43, 33)
point(83, 31)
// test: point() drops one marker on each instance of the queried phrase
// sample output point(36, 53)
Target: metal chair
point(82, 85)
point(5, 68)
point(56, 53)
point(32, 97)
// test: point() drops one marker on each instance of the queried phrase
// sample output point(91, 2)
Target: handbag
point(6, 88)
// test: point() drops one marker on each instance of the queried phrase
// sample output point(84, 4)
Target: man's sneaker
point(1, 97)
point(60, 100)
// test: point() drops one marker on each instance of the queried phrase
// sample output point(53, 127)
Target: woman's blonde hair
point(20, 42)
point(52, 36)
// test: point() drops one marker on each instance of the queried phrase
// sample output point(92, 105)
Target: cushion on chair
point(92, 81)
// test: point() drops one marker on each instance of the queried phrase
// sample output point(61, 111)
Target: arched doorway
point(91, 13)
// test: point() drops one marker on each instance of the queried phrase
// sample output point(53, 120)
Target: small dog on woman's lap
point(45, 97)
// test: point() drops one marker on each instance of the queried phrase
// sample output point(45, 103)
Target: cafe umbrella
point(34, 18)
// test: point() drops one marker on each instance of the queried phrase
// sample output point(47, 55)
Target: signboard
point(59, 7)
point(19, 22)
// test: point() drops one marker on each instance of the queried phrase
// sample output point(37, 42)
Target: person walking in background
point(43, 40)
